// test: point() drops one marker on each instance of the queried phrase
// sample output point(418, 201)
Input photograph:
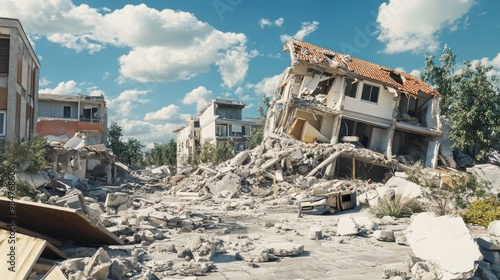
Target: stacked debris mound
point(281, 166)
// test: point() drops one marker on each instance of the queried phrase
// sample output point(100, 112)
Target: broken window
point(370, 93)
point(67, 112)
point(2, 123)
point(351, 87)
point(323, 87)
point(4, 55)
point(90, 114)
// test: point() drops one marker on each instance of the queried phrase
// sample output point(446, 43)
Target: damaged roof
point(310, 53)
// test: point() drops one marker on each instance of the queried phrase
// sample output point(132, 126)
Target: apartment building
point(65, 115)
point(221, 121)
point(19, 74)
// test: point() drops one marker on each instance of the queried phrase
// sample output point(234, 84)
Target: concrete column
point(108, 173)
point(388, 151)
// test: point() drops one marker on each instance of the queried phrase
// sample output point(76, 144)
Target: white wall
point(383, 109)
point(334, 94)
point(379, 139)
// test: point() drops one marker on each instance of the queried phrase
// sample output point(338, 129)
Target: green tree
point(162, 154)
point(133, 152)
point(470, 99)
point(441, 76)
point(475, 111)
point(115, 140)
point(258, 134)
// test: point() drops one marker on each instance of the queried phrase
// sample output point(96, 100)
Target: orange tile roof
point(304, 51)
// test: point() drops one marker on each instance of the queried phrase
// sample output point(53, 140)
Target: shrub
point(482, 212)
point(398, 207)
point(440, 199)
point(23, 189)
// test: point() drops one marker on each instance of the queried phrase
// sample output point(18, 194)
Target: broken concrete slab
point(401, 187)
point(315, 232)
point(239, 159)
point(384, 235)
point(494, 228)
point(489, 173)
point(257, 255)
point(447, 242)
point(285, 249)
point(118, 201)
point(488, 243)
point(230, 182)
point(347, 226)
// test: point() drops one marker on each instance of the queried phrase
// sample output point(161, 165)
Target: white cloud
point(68, 88)
point(165, 45)
point(414, 25)
point(267, 85)
point(105, 76)
point(264, 22)
point(124, 104)
point(199, 96)
point(307, 28)
point(43, 82)
point(495, 63)
point(279, 21)
point(416, 73)
point(146, 132)
point(169, 113)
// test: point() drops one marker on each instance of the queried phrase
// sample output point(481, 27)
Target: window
point(2, 123)
point(370, 93)
point(67, 112)
point(221, 130)
point(4, 55)
point(350, 88)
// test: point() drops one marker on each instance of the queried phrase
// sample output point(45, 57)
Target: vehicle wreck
point(328, 97)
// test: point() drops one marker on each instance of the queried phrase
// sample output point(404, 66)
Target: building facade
point(65, 115)
point(329, 97)
point(220, 122)
point(19, 74)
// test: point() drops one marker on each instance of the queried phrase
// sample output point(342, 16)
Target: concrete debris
point(487, 173)
point(315, 232)
point(384, 235)
point(494, 228)
point(392, 273)
point(203, 250)
point(257, 255)
point(228, 187)
point(347, 226)
point(400, 238)
point(117, 201)
point(445, 241)
point(285, 249)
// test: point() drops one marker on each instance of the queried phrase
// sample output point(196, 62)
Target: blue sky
point(158, 62)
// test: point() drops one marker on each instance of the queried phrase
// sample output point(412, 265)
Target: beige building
point(219, 122)
point(19, 73)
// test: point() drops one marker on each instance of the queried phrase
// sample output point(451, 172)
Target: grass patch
point(398, 207)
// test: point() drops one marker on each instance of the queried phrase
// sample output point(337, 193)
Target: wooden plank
point(25, 252)
point(57, 222)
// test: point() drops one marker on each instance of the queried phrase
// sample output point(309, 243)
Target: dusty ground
point(332, 257)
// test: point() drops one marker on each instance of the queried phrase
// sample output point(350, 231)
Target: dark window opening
point(4, 55)
point(370, 93)
point(351, 88)
point(323, 87)
point(67, 112)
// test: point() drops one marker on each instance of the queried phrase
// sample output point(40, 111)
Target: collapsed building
point(75, 126)
point(329, 97)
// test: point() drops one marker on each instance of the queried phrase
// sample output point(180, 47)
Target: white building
point(219, 122)
point(325, 96)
